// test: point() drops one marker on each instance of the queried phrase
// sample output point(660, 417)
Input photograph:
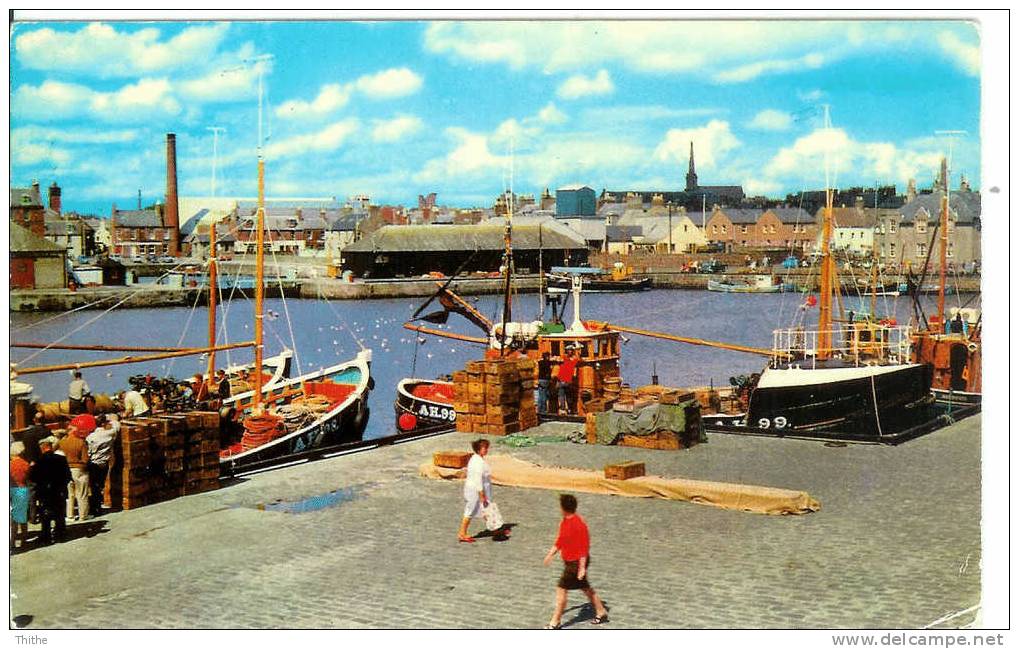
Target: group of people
point(56, 480)
point(562, 382)
point(573, 542)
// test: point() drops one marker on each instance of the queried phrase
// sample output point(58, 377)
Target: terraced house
point(906, 236)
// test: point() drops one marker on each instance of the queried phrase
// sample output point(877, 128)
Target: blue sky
point(397, 109)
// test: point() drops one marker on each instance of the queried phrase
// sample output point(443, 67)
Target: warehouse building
point(574, 200)
point(35, 261)
point(414, 250)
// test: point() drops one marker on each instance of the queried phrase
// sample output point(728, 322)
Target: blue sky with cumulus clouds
point(397, 109)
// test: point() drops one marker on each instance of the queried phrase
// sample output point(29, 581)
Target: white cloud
point(39, 145)
point(641, 113)
point(470, 157)
point(712, 142)
point(102, 50)
point(330, 97)
point(804, 160)
point(389, 84)
point(54, 100)
point(771, 66)
point(771, 120)
point(580, 86)
point(226, 85)
point(760, 187)
point(967, 56)
point(810, 96)
point(395, 129)
point(551, 115)
point(329, 138)
point(735, 51)
point(41, 134)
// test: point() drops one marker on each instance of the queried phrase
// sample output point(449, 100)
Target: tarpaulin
point(509, 471)
point(648, 420)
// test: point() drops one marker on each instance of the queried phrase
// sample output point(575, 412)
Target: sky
point(467, 109)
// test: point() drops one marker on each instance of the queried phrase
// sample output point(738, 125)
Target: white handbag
point(493, 519)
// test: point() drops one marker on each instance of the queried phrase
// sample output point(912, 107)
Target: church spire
point(691, 174)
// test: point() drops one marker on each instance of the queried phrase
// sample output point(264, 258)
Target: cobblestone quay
point(896, 544)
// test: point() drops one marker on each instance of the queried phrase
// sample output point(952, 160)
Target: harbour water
point(325, 333)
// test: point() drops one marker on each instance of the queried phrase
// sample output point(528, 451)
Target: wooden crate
point(662, 440)
point(502, 369)
point(451, 459)
point(676, 397)
point(459, 377)
point(475, 367)
point(461, 406)
point(501, 417)
point(624, 470)
point(477, 408)
point(589, 428)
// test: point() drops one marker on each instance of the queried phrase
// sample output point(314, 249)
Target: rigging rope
point(184, 331)
point(286, 311)
point(148, 287)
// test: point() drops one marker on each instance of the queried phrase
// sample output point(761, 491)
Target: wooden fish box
point(663, 440)
point(451, 459)
point(623, 405)
point(624, 470)
point(501, 369)
point(476, 398)
point(501, 417)
point(655, 391)
point(475, 367)
point(477, 409)
point(676, 397)
point(463, 424)
point(590, 429)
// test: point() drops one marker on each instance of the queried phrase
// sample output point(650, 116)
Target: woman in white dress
point(477, 487)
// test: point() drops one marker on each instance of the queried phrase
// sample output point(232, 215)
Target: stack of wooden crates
point(162, 457)
point(495, 397)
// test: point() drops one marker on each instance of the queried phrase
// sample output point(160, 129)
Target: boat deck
point(323, 544)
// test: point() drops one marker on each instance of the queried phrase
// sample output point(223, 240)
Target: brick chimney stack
point(55, 197)
point(170, 220)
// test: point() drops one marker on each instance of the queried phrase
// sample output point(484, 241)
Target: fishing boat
point(316, 410)
point(950, 346)
point(844, 377)
point(597, 280)
point(423, 404)
point(548, 343)
point(749, 284)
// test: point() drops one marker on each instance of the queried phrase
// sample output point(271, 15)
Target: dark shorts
point(569, 580)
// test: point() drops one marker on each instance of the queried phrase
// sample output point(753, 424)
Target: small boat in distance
point(749, 284)
point(598, 280)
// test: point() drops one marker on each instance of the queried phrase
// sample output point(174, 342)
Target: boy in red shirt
point(573, 544)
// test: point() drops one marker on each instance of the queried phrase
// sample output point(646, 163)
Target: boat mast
point(256, 406)
point(824, 321)
point(541, 278)
point(944, 245)
point(213, 286)
point(507, 303)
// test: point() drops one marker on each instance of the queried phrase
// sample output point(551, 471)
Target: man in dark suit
point(50, 474)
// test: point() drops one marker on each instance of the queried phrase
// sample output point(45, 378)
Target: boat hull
point(864, 401)
point(342, 424)
point(720, 287)
point(427, 414)
point(956, 398)
point(589, 285)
